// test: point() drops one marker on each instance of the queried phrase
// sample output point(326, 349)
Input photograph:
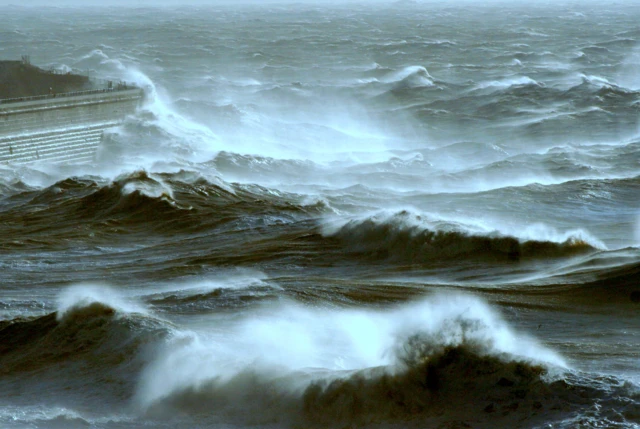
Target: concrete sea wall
point(63, 128)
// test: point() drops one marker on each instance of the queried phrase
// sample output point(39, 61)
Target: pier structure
point(57, 117)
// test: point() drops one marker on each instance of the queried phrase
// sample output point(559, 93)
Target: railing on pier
point(122, 86)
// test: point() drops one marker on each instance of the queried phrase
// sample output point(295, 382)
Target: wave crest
point(339, 368)
point(410, 77)
point(86, 300)
point(91, 336)
point(455, 380)
point(402, 237)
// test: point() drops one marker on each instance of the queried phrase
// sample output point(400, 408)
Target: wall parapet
point(119, 87)
point(73, 100)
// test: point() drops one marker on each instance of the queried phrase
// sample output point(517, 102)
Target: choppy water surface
point(392, 216)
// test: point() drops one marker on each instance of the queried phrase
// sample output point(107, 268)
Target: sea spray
point(413, 237)
point(276, 363)
point(84, 295)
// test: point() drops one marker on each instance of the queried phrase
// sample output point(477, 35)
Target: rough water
point(390, 216)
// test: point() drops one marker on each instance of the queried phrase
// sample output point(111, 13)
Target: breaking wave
point(447, 358)
point(410, 77)
point(508, 83)
point(407, 238)
point(135, 197)
point(291, 356)
point(93, 328)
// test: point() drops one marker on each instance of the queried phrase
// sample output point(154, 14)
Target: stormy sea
point(390, 215)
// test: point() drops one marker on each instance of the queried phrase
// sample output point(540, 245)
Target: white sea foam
point(507, 83)
point(411, 219)
point(411, 76)
point(154, 188)
point(98, 61)
point(542, 232)
point(40, 415)
point(236, 279)
point(289, 338)
point(596, 80)
point(83, 295)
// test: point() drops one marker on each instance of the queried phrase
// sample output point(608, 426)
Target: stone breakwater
point(62, 128)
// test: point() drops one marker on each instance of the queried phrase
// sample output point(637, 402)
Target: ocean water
point(391, 216)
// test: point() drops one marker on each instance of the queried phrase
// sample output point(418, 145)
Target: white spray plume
point(291, 339)
point(83, 295)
